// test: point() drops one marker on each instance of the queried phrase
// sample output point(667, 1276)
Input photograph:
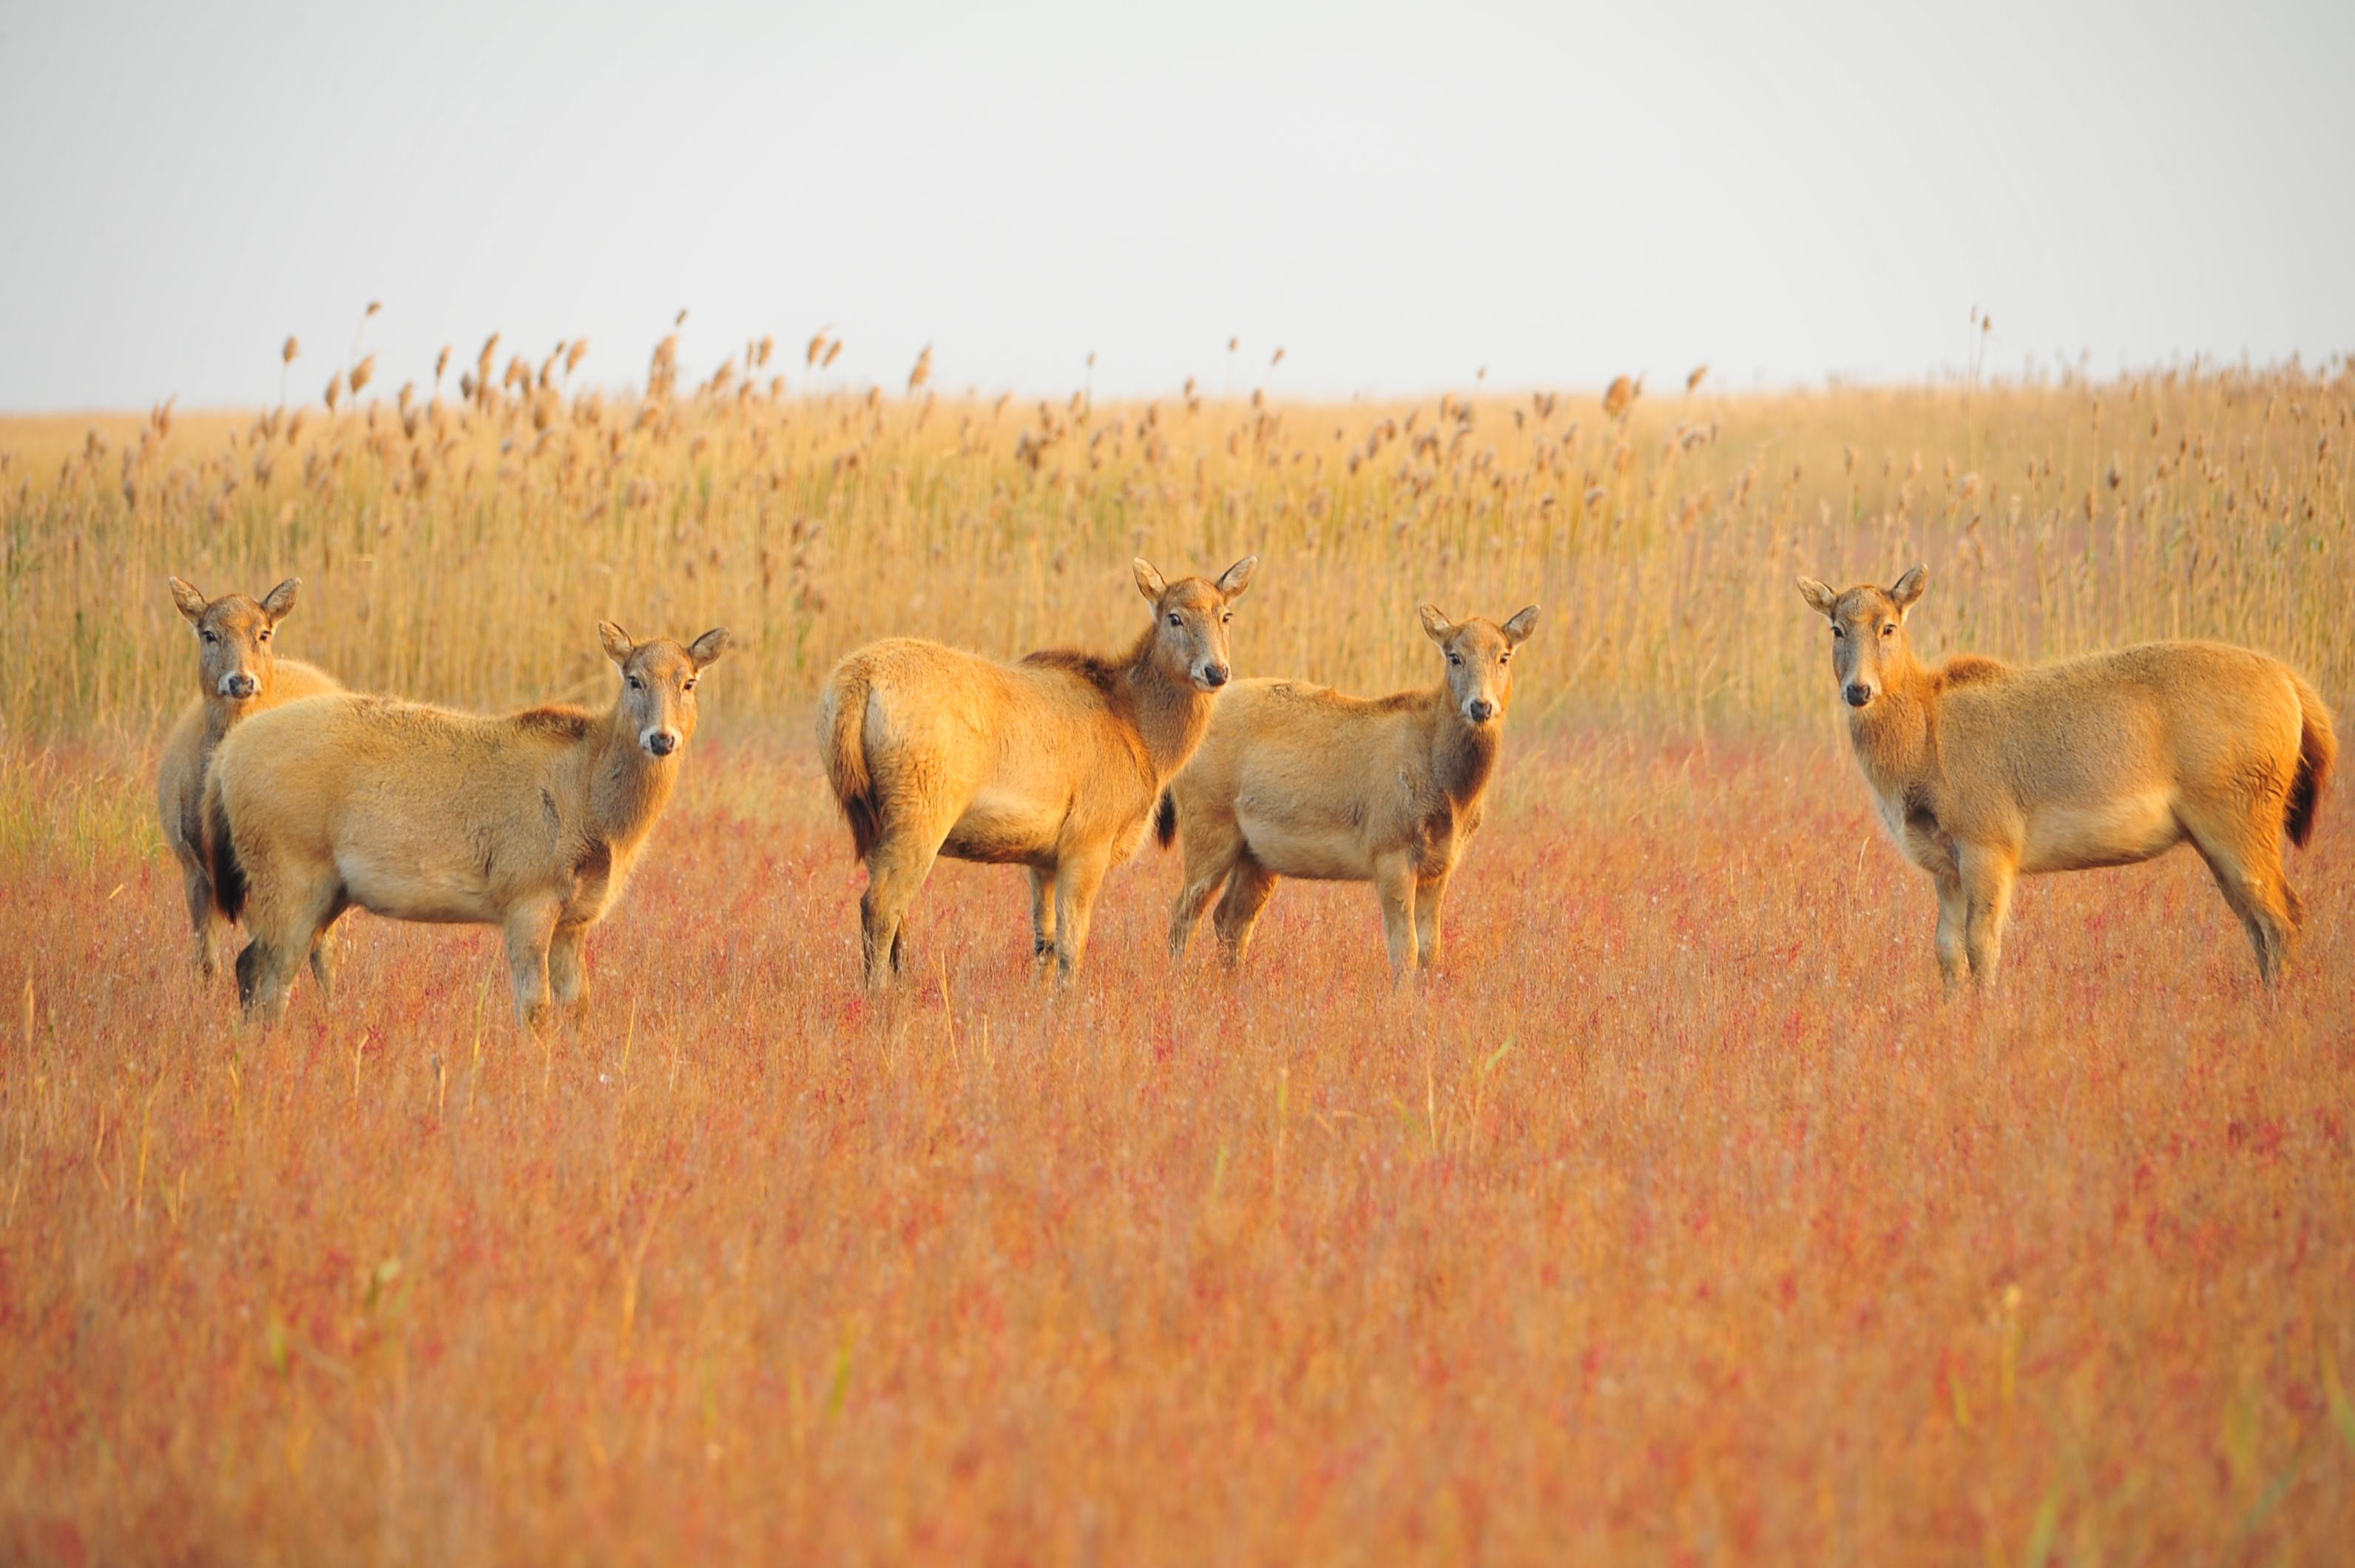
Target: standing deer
point(528, 821)
point(1053, 763)
point(239, 675)
point(1299, 780)
point(1984, 772)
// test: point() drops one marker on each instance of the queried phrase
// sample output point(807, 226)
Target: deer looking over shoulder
point(1053, 763)
point(239, 675)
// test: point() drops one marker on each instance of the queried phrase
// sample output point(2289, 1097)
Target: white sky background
point(1398, 197)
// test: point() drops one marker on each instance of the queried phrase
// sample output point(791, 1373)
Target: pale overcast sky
point(1397, 196)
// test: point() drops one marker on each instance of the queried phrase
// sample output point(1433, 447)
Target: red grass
point(1677, 1219)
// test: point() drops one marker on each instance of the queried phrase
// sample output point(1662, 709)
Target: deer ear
point(1149, 583)
point(190, 602)
point(1820, 596)
point(1236, 578)
point(1436, 626)
point(617, 644)
point(1518, 629)
point(280, 599)
point(706, 649)
point(1909, 587)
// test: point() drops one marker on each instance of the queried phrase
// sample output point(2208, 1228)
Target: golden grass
point(1679, 1219)
point(462, 551)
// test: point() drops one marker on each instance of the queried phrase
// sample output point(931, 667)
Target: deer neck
point(1896, 738)
point(1463, 754)
point(627, 788)
point(1170, 715)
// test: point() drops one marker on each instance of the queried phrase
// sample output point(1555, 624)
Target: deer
point(1053, 763)
point(1985, 772)
point(1298, 779)
point(530, 822)
point(239, 675)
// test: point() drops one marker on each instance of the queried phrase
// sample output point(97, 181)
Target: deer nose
point(1214, 676)
point(1858, 694)
point(662, 742)
point(1481, 710)
point(240, 685)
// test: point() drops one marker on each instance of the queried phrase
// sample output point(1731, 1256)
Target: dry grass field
point(1678, 1218)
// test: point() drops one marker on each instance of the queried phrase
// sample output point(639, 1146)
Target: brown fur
point(1964, 668)
point(235, 638)
point(528, 821)
point(1985, 772)
point(1101, 673)
point(1053, 763)
point(572, 723)
point(1299, 780)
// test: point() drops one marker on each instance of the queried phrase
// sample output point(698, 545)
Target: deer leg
point(1953, 910)
point(1249, 886)
point(896, 869)
point(529, 928)
point(568, 971)
point(1210, 857)
point(1186, 913)
point(1394, 885)
point(1428, 894)
point(204, 919)
point(326, 953)
point(1987, 877)
point(2246, 864)
point(263, 980)
point(284, 920)
point(1078, 878)
point(1042, 915)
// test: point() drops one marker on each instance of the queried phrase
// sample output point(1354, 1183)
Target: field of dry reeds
point(1680, 1217)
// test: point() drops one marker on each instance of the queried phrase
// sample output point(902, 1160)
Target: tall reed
point(461, 548)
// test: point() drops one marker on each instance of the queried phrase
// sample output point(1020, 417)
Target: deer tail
point(1164, 819)
point(2317, 753)
point(842, 737)
point(220, 853)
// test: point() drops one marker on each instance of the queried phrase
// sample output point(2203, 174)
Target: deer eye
point(1228, 616)
point(1504, 658)
point(688, 687)
point(1454, 660)
point(1837, 632)
point(1177, 619)
point(1888, 628)
point(208, 638)
point(636, 685)
point(262, 637)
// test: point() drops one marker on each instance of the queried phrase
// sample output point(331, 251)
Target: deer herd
point(288, 800)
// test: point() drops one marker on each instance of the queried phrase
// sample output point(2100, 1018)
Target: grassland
point(1679, 1218)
